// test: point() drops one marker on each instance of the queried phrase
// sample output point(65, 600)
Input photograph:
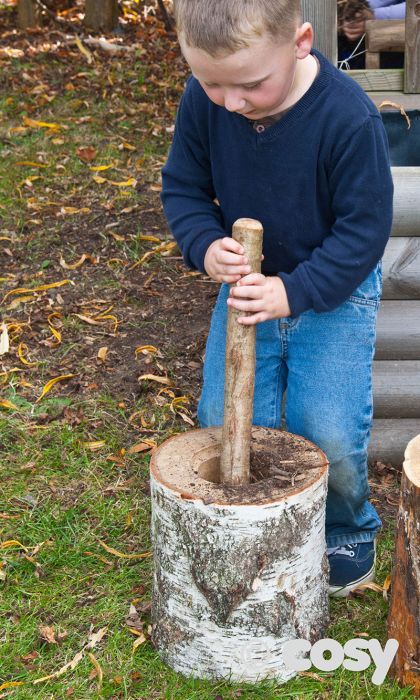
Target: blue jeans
point(324, 360)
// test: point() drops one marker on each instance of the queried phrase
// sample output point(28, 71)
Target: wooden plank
point(389, 439)
point(412, 47)
point(322, 14)
point(396, 388)
point(400, 98)
point(379, 80)
point(398, 331)
point(401, 269)
point(406, 201)
point(385, 35)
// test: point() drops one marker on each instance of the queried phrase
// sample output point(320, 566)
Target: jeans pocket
point(368, 293)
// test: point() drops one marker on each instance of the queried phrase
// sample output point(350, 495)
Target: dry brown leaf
point(387, 103)
point(71, 665)
point(95, 445)
point(154, 378)
point(82, 259)
point(47, 634)
point(102, 354)
point(142, 447)
point(98, 670)
point(87, 154)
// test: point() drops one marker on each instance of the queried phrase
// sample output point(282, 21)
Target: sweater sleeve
point(187, 188)
point(361, 192)
point(391, 12)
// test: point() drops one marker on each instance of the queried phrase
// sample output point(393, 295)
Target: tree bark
point(101, 15)
point(238, 571)
point(240, 370)
point(404, 612)
point(27, 14)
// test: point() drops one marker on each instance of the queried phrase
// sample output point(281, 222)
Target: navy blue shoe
point(350, 565)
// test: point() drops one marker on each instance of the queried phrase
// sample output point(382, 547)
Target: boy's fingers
point(231, 244)
point(253, 278)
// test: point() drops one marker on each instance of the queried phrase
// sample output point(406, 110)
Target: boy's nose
point(234, 102)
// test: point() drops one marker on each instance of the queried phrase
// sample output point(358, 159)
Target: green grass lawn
point(71, 490)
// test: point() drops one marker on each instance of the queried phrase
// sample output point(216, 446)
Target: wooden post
point(101, 15)
point(412, 47)
point(322, 14)
point(27, 14)
point(240, 371)
point(404, 612)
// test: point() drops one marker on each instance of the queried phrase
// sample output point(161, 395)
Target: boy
point(272, 130)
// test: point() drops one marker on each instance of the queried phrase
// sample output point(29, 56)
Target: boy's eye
point(252, 87)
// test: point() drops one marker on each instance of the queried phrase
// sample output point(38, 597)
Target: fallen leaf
point(71, 665)
point(47, 634)
point(145, 349)
point(102, 354)
point(98, 670)
point(4, 339)
point(137, 642)
point(82, 259)
point(100, 168)
point(21, 351)
point(83, 50)
point(31, 164)
point(49, 385)
point(154, 378)
point(41, 125)
point(87, 154)
point(142, 447)
point(5, 403)
point(121, 555)
point(93, 446)
point(8, 544)
point(41, 288)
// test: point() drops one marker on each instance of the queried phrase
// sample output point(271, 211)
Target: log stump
point(239, 570)
point(404, 612)
point(28, 17)
point(101, 15)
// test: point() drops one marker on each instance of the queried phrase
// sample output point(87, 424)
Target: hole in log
point(287, 465)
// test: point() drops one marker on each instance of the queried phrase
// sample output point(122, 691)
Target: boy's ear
point(304, 39)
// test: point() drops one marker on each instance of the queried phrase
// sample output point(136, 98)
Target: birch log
point(238, 571)
point(404, 612)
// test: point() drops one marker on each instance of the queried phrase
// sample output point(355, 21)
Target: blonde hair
point(225, 26)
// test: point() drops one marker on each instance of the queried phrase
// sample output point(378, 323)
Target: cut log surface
point(389, 438)
point(404, 612)
point(238, 570)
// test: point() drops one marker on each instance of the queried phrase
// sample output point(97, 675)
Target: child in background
point(268, 129)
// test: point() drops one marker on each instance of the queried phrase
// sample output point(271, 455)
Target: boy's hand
point(264, 296)
point(225, 261)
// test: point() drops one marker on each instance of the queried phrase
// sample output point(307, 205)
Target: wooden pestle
point(240, 371)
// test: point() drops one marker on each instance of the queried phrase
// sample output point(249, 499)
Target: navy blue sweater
point(318, 179)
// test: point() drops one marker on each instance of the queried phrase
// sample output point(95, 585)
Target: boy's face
point(255, 81)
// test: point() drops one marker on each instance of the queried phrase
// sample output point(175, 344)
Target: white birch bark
point(234, 582)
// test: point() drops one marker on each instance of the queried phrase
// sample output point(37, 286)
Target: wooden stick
point(240, 371)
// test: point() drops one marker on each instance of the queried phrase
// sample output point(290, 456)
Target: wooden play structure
point(396, 376)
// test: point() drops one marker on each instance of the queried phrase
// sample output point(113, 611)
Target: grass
point(61, 497)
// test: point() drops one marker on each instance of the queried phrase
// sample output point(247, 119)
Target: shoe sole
point(344, 591)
